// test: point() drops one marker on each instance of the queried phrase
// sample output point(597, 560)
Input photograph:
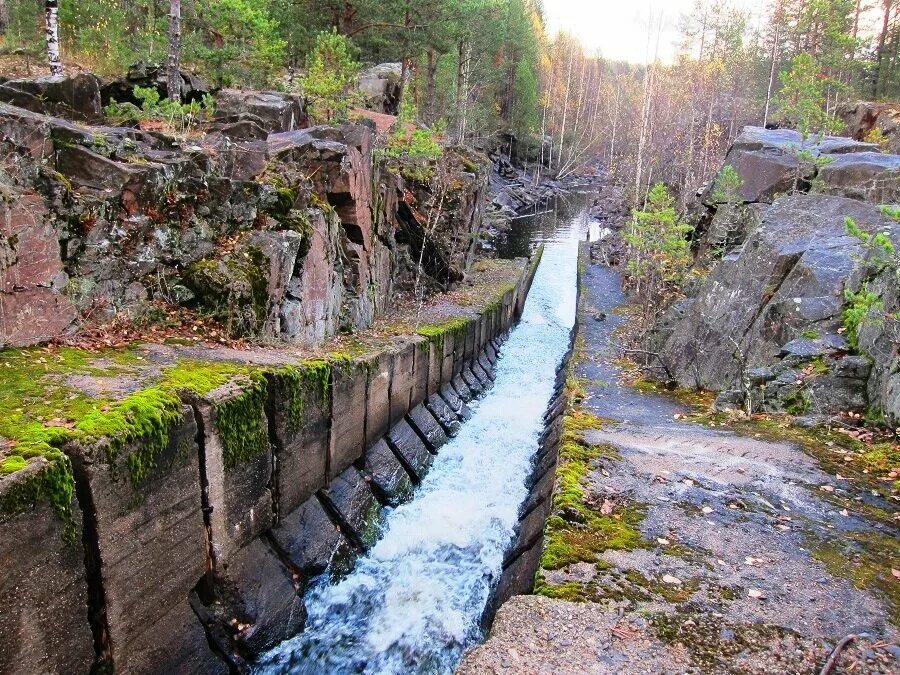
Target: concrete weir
point(197, 561)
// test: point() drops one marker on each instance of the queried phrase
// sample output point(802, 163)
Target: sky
point(619, 28)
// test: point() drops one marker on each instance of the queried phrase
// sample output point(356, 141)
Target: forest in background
point(473, 67)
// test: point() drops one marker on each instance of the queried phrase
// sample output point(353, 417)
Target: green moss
point(572, 591)
point(495, 301)
point(235, 289)
point(239, 421)
point(701, 400)
point(865, 558)
point(702, 636)
point(437, 333)
point(795, 402)
point(39, 412)
point(575, 532)
point(53, 484)
point(296, 383)
point(142, 419)
point(820, 366)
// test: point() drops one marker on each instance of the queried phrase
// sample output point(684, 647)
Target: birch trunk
point(562, 129)
point(882, 38)
point(51, 14)
point(771, 75)
point(173, 82)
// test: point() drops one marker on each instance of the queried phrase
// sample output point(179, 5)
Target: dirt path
point(745, 555)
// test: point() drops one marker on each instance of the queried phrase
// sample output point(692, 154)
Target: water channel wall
point(523, 559)
point(196, 561)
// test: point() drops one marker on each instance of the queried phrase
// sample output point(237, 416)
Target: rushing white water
point(413, 603)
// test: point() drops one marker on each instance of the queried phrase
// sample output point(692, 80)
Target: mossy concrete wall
point(192, 549)
point(43, 589)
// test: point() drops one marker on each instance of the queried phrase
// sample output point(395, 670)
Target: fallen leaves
point(624, 631)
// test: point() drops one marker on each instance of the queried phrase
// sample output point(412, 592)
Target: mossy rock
point(234, 289)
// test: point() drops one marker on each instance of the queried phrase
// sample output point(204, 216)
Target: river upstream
point(414, 602)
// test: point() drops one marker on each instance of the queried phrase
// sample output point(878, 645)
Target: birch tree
point(51, 16)
point(173, 83)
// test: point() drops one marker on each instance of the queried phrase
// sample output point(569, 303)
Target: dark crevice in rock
point(96, 609)
point(216, 634)
point(781, 273)
point(431, 447)
point(285, 558)
point(204, 587)
point(451, 428)
point(277, 450)
point(383, 497)
point(518, 551)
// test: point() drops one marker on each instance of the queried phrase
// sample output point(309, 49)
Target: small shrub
point(658, 251)
point(727, 186)
point(178, 116)
point(858, 309)
point(330, 83)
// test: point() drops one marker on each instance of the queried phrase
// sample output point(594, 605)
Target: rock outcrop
point(280, 231)
point(75, 97)
point(151, 76)
point(875, 121)
point(768, 327)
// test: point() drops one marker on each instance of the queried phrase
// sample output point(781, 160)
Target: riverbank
point(677, 546)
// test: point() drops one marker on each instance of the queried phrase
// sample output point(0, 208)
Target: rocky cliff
point(798, 314)
point(279, 231)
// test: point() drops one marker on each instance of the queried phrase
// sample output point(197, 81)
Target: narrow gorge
point(449, 337)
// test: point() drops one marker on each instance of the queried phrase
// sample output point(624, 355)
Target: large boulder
point(770, 162)
point(273, 111)
point(380, 87)
point(75, 97)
